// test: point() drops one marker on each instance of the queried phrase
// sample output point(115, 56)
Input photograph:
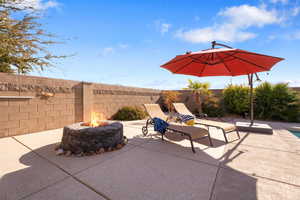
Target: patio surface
point(257, 166)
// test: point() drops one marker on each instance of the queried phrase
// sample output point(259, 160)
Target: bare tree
point(23, 42)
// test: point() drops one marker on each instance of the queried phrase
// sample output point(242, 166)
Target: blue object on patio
point(160, 125)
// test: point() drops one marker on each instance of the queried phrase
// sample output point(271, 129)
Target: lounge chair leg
point(145, 128)
point(238, 134)
point(225, 136)
point(192, 144)
point(209, 138)
point(162, 137)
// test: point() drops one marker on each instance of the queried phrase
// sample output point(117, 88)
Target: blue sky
point(125, 42)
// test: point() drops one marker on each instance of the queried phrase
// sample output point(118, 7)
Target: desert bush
point(200, 92)
point(236, 99)
point(213, 107)
point(263, 101)
point(276, 102)
point(168, 98)
point(129, 113)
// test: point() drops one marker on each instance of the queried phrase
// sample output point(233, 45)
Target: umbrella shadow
point(38, 173)
point(230, 183)
point(32, 174)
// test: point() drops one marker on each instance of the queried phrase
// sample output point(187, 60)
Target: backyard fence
point(31, 104)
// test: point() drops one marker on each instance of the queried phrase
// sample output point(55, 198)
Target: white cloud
point(123, 46)
point(296, 11)
point(223, 33)
point(272, 37)
point(246, 16)
point(162, 27)
point(295, 35)
point(237, 20)
point(113, 49)
point(280, 1)
point(49, 4)
point(107, 51)
point(36, 4)
point(290, 35)
point(293, 83)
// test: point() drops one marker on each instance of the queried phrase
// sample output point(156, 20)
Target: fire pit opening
point(97, 120)
point(94, 137)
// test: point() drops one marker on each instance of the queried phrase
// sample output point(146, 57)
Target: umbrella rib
point(197, 59)
point(180, 68)
point(191, 56)
point(224, 64)
point(204, 62)
point(202, 69)
point(187, 64)
point(249, 62)
point(200, 61)
point(258, 54)
point(175, 61)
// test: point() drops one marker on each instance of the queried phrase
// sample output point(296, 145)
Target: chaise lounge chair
point(225, 127)
point(187, 132)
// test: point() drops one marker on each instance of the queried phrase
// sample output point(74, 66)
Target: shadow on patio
point(151, 170)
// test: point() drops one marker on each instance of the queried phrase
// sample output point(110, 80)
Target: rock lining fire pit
point(83, 139)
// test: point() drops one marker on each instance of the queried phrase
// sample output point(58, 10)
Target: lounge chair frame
point(223, 130)
point(210, 125)
point(151, 122)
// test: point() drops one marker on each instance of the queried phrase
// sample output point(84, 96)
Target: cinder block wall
point(187, 97)
point(21, 116)
point(73, 101)
point(109, 98)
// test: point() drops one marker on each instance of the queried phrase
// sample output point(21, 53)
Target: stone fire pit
point(81, 139)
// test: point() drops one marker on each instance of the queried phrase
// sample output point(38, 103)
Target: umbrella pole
point(250, 78)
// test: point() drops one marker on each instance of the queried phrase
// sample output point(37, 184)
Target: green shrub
point(213, 107)
point(276, 102)
point(263, 101)
point(236, 99)
point(130, 113)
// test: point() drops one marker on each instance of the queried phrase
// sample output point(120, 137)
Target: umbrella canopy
point(222, 62)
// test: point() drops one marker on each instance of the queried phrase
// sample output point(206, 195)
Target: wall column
point(87, 101)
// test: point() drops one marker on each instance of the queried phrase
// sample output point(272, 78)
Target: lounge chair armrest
point(209, 125)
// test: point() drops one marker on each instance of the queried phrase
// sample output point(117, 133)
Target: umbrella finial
point(213, 44)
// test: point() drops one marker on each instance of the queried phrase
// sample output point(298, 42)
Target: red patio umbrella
point(225, 61)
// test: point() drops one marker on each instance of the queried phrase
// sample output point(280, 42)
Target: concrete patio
point(257, 166)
